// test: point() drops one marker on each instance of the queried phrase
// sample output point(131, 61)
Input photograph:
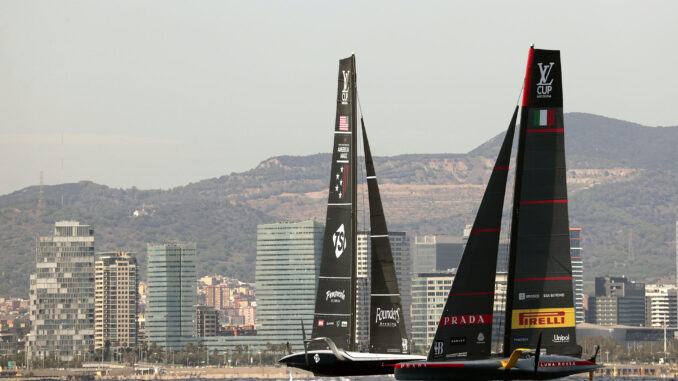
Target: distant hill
point(621, 180)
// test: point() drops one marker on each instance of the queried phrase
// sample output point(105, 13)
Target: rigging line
point(519, 93)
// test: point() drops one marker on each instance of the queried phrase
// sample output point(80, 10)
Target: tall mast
point(354, 197)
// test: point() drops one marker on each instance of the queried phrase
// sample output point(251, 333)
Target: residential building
point(436, 253)
point(618, 301)
point(172, 296)
point(62, 293)
point(400, 249)
point(661, 305)
point(287, 267)
point(116, 298)
point(429, 295)
point(208, 321)
point(577, 274)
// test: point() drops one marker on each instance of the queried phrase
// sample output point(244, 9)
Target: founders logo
point(316, 358)
point(335, 296)
point(545, 84)
point(387, 318)
point(339, 239)
point(344, 91)
point(438, 350)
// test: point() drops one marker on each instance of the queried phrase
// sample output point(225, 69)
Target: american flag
point(343, 123)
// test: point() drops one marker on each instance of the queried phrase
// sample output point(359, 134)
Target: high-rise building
point(661, 305)
point(400, 249)
point(577, 274)
point(172, 295)
point(287, 267)
point(429, 295)
point(618, 301)
point(436, 253)
point(208, 321)
point(62, 293)
point(116, 298)
point(218, 296)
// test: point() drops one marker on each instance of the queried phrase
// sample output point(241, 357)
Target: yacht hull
point(550, 367)
point(326, 363)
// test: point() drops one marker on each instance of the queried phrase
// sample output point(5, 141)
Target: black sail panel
point(334, 306)
point(465, 328)
point(387, 322)
point(540, 295)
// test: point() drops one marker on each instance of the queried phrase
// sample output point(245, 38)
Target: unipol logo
point(339, 239)
point(344, 92)
point(544, 86)
point(392, 316)
point(561, 338)
point(335, 296)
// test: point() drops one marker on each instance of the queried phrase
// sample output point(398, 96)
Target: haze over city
point(159, 94)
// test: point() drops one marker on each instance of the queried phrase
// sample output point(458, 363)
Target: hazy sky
point(162, 93)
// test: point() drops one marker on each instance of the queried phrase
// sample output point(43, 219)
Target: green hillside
point(621, 178)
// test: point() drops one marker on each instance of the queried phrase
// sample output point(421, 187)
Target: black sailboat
point(331, 349)
point(539, 309)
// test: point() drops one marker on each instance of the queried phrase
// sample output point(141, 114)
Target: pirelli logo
point(543, 318)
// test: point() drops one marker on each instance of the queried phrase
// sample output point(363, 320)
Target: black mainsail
point(334, 316)
point(465, 328)
point(539, 289)
point(387, 322)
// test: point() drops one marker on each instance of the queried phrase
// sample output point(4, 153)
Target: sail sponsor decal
point(544, 118)
point(321, 323)
point(341, 181)
point(545, 84)
point(458, 340)
point(344, 123)
point(343, 150)
point(345, 92)
point(480, 339)
point(387, 317)
point(438, 348)
point(561, 338)
point(542, 318)
point(525, 296)
point(466, 319)
point(335, 296)
point(339, 239)
point(404, 345)
point(316, 358)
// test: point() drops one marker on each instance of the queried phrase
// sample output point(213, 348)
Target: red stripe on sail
point(484, 230)
point(547, 278)
point(505, 167)
point(534, 130)
point(528, 78)
point(543, 202)
point(472, 293)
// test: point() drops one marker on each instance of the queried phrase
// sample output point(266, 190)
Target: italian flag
point(544, 117)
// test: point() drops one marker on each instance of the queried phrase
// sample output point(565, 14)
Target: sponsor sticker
point(466, 319)
point(555, 295)
point(520, 339)
point(335, 296)
point(316, 358)
point(480, 338)
point(321, 323)
point(345, 91)
point(339, 239)
point(344, 324)
point(524, 296)
point(545, 84)
point(387, 318)
point(404, 344)
point(561, 338)
point(438, 348)
point(542, 318)
point(458, 340)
